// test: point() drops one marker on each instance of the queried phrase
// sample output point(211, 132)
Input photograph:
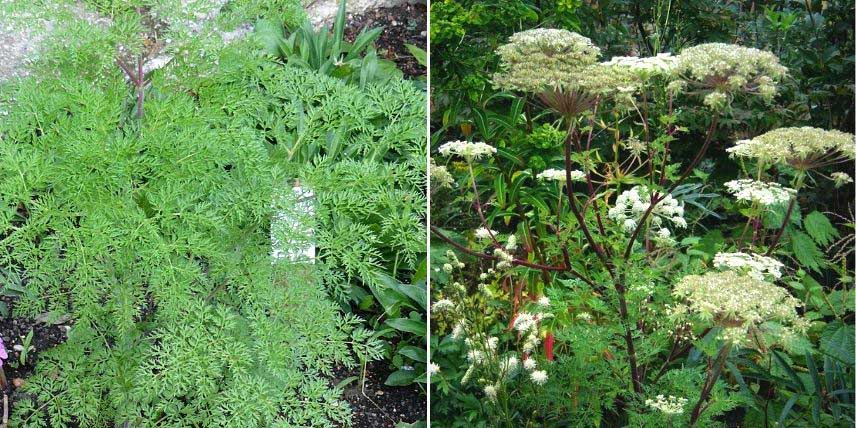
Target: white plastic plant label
point(293, 227)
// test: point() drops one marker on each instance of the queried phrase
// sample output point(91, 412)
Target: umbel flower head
point(803, 148)
point(740, 304)
point(440, 175)
point(755, 265)
point(841, 178)
point(561, 67)
point(719, 70)
point(759, 192)
point(467, 150)
point(660, 65)
point(543, 59)
point(560, 175)
point(670, 405)
point(631, 204)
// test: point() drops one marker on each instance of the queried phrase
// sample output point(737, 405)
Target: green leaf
point(819, 228)
point(806, 251)
point(797, 381)
point(338, 31)
point(408, 325)
point(401, 378)
point(787, 409)
point(270, 35)
point(414, 353)
point(837, 341)
point(420, 54)
point(346, 381)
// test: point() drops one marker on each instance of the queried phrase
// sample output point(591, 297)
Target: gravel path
point(322, 12)
point(22, 31)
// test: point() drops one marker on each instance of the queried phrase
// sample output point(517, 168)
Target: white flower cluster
point(504, 255)
point(560, 175)
point(467, 150)
point(442, 305)
point(841, 178)
point(433, 368)
point(631, 204)
point(662, 64)
point(755, 265)
point(670, 405)
point(538, 377)
point(526, 324)
point(732, 300)
point(723, 69)
point(796, 146)
point(541, 59)
point(764, 194)
point(484, 234)
point(440, 176)
point(550, 60)
point(490, 392)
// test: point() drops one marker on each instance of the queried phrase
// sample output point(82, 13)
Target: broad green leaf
point(401, 378)
point(414, 353)
point(837, 341)
point(819, 228)
point(806, 251)
point(408, 325)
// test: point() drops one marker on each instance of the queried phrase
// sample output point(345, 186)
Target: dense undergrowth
point(149, 223)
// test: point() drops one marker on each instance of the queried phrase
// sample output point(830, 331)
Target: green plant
point(329, 53)
point(622, 283)
point(154, 234)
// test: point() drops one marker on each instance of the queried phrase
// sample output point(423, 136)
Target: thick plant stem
point(712, 377)
point(781, 230)
point(628, 338)
point(572, 202)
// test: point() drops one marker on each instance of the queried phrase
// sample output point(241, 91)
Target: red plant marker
point(548, 346)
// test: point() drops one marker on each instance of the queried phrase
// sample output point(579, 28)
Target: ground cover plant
point(654, 240)
point(139, 209)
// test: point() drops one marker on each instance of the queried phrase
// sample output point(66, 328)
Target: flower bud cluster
point(440, 176)
point(506, 259)
point(841, 178)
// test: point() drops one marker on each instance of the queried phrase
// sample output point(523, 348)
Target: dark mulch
point(405, 23)
point(14, 332)
point(381, 406)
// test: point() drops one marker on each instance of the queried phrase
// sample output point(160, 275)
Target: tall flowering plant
point(613, 225)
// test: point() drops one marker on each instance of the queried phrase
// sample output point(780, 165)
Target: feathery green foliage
point(154, 235)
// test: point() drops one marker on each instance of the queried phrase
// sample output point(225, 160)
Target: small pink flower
point(3, 354)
